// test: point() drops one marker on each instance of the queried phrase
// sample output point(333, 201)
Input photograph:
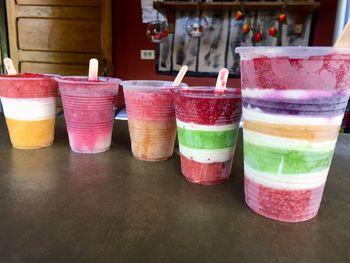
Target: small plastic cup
point(293, 103)
point(89, 108)
point(29, 105)
point(207, 125)
point(151, 118)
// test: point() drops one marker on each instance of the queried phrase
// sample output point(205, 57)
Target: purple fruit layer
point(321, 107)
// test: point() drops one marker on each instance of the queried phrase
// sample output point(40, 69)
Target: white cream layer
point(206, 155)
point(194, 126)
point(29, 109)
point(285, 143)
point(255, 93)
point(287, 181)
point(257, 114)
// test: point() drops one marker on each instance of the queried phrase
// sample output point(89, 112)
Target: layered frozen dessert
point(151, 119)
point(293, 105)
point(207, 125)
point(89, 109)
point(29, 104)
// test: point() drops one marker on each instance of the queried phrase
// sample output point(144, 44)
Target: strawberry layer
point(306, 73)
point(283, 205)
point(27, 86)
point(205, 173)
point(149, 105)
point(202, 106)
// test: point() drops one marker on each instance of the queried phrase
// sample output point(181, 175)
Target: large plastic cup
point(89, 108)
point(293, 104)
point(151, 118)
point(29, 105)
point(207, 125)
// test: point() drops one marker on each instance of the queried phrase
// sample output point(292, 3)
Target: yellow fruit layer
point(31, 134)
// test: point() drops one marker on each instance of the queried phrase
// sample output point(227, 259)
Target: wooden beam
point(12, 31)
point(307, 7)
point(56, 57)
point(106, 38)
point(61, 12)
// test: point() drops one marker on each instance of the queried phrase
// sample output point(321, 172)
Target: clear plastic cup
point(29, 105)
point(89, 108)
point(208, 126)
point(151, 118)
point(293, 103)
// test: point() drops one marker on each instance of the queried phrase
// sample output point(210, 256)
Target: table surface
point(60, 206)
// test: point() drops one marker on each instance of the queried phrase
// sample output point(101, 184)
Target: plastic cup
point(151, 118)
point(293, 104)
point(29, 105)
point(207, 125)
point(89, 108)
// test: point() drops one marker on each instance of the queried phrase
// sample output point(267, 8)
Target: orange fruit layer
point(310, 133)
point(31, 134)
point(152, 140)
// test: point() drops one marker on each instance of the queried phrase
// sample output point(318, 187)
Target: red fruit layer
point(149, 105)
point(315, 73)
point(205, 173)
point(283, 205)
point(206, 108)
point(27, 85)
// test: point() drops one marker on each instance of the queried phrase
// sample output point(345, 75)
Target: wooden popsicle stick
point(10, 67)
point(180, 76)
point(93, 69)
point(221, 80)
point(344, 38)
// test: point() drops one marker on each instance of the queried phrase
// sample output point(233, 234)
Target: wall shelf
point(305, 7)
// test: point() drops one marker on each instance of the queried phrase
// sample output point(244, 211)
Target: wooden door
point(3, 35)
point(60, 36)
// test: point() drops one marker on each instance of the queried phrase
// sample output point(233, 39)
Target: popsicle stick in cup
point(221, 81)
point(180, 76)
point(344, 39)
point(93, 69)
point(10, 67)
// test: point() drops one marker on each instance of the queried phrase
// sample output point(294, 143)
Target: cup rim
point(26, 76)
point(291, 51)
point(149, 85)
point(192, 92)
point(84, 80)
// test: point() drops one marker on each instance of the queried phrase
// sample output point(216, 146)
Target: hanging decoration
point(273, 31)
point(257, 35)
point(246, 28)
point(157, 30)
point(196, 26)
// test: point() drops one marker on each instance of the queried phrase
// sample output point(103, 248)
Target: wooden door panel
point(59, 2)
point(62, 12)
point(57, 57)
point(59, 35)
point(60, 69)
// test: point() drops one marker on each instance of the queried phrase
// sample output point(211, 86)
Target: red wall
point(130, 38)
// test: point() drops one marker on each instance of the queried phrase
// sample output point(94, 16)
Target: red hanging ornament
point(239, 15)
point(257, 37)
point(245, 28)
point(273, 31)
point(282, 18)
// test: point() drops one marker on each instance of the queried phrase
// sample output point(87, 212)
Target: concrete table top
point(60, 206)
